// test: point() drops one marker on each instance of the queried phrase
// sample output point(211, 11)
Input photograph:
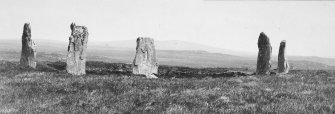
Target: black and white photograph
point(167, 57)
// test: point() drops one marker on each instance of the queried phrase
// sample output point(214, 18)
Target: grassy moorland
point(110, 88)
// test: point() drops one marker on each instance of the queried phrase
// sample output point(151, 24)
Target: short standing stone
point(283, 66)
point(76, 56)
point(28, 52)
point(264, 55)
point(145, 61)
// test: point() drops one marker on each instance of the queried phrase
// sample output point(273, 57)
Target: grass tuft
point(49, 89)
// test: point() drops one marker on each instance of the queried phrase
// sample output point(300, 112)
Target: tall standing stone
point(264, 55)
point(283, 66)
point(76, 56)
point(28, 52)
point(145, 61)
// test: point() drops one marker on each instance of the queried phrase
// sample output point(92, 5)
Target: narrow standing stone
point(283, 66)
point(28, 52)
point(145, 61)
point(76, 56)
point(264, 55)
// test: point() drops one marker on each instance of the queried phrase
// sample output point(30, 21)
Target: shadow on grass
point(121, 69)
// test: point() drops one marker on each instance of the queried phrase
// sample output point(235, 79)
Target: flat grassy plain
point(49, 89)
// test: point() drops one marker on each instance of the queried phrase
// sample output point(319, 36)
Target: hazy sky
point(308, 26)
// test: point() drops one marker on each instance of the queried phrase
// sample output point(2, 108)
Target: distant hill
point(183, 54)
point(173, 45)
point(56, 45)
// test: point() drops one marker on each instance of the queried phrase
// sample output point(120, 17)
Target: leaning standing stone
point(76, 56)
point(264, 55)
point(145, 61)
point(28, 52)
point(283, 66)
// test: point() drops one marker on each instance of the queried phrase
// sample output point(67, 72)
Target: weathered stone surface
point(264, 55)
point(76, 56)
point(283, 66)
point(145, 61)
point(28, 52)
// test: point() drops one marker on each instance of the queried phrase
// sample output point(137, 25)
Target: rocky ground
point(111, 88)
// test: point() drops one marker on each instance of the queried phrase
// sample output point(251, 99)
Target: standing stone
point(283, 66)
point(28, 52)
point(264, 55)
point(145, 61)
point(76, 56)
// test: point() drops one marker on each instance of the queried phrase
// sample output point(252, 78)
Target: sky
point(307, 26)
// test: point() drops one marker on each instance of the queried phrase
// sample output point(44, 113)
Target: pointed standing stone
point(145, 61)
point(283, 66)
point(28, 52)
point(264, 55)
point(76, 56)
